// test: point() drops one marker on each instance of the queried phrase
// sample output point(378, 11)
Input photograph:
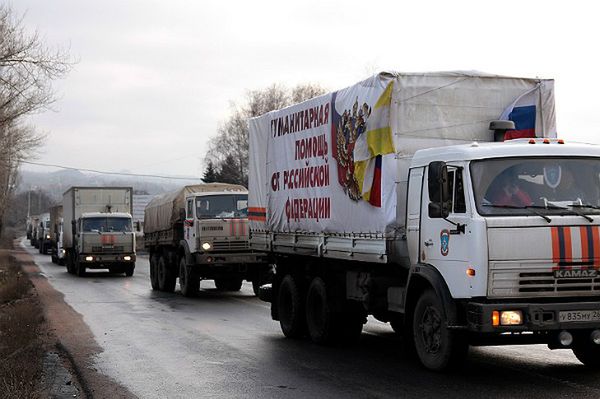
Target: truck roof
point(512, 148)
point(105, 214)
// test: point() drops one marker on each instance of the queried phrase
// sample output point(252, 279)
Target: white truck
point(57, 251)
point(389, 198)
point(43, 233)
point(201, 232)
point(98, 232)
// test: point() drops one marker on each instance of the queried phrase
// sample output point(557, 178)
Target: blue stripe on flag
point(524, 117)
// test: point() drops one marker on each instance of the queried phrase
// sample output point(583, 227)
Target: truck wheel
point(166, 279)
point(188, 281)
point(587, 353)
point(80, 268)
point(154, 272)
point(436, 347)
point(53, 258)
point(291, 308)
point(320, 318)
point(129, 268)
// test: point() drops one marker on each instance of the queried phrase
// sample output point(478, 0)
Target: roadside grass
point(21, 333)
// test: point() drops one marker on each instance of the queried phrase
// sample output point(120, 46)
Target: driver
point(508, 193)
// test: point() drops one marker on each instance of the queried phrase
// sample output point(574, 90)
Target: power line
point(109, 173)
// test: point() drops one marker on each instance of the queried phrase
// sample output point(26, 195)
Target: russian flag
point(523, 113)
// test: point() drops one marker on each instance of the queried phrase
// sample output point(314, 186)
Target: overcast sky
point(155, 78)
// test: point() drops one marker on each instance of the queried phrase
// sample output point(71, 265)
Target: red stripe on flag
point(375, 196)
point(519, 134)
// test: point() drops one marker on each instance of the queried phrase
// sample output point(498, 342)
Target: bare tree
point(27, 69)
point(230, 145)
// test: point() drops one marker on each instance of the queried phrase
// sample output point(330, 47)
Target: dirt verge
point(66, 334)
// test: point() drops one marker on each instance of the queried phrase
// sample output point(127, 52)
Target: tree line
point(227, 155)
point(27, 69)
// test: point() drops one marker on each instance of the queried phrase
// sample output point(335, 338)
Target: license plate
point(579, 316)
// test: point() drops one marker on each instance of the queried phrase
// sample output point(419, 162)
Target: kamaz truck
point(97, 230)
point(442, 203)
point(201, 232)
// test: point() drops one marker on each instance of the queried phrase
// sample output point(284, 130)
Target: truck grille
point(530, 280)
point(116, 248)
point(233, 245)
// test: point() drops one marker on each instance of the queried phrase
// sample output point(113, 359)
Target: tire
point(154, 272)
point(290, 304)
point(587, 353)
point(320, 318)
point(80, 268)
point(166, 278)
point(69, 262)
point(189, 282)
point(437, 347)
point(129, 268)
point(54, 259)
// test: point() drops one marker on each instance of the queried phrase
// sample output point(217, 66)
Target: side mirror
point(74, 227)
point(439, 191)
point(137, 226)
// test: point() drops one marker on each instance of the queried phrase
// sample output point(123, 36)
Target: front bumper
point(104, 260)
point(216, 259)
point(536, 317)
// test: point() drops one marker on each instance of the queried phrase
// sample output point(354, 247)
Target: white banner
point(330, 163)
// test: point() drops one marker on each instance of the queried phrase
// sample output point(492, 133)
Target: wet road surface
point(225, 345)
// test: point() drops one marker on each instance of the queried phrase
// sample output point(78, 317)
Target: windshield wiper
point(529, 208)
point(572, 211)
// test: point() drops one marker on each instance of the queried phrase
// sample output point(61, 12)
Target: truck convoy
point(200, 232)
point(389, 198)
point(57, 251)
point(98, 232)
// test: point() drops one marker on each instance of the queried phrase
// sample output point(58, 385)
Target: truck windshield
point(550, 186)
point(225, 206)
point(106, 224)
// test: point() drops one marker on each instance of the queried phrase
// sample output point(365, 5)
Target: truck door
point(445, 242)
point(189, 225)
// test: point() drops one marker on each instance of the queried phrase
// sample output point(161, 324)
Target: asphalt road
point(225, 345)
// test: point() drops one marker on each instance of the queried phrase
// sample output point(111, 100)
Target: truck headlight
point(47, 236)
point(206, 246)
point(126, 257)
point(89, 258)
point(507, 318)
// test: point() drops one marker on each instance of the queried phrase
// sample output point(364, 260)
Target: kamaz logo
point(591, 273)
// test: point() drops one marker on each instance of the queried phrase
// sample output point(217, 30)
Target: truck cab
point(43, 233)
point(104, 241)
point(216, 235)
point(506, 237)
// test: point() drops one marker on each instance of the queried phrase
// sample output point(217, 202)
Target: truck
point(201, 232)
point(57, 251)
point(32, 222)
point(442, 203)
point(43, 233)
point(98, 232)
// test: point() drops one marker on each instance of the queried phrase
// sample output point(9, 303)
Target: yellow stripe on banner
point(386, 97)
point(360, 170)
point(380, 141)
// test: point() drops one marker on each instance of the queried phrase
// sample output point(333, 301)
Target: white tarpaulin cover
point(338, 163)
